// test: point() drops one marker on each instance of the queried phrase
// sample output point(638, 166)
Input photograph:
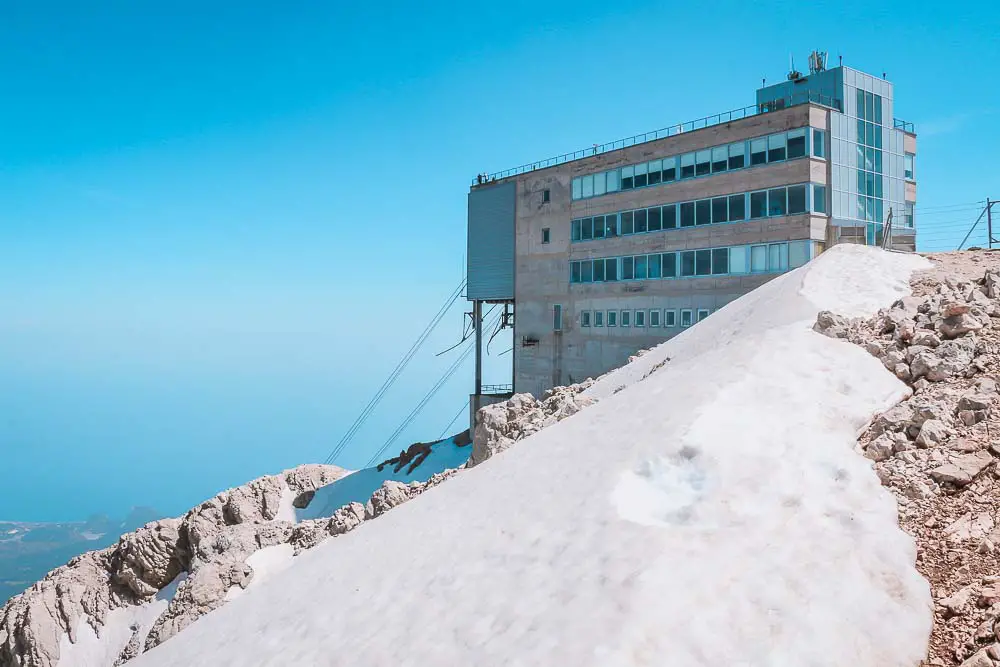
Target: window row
point(653, 317)
point(869, 134)
point(790, 200)
point(733, 260)
point(763, 150)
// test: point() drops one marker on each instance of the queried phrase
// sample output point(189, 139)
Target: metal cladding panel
point(491, 242)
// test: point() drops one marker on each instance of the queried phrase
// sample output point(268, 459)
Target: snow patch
point(713, 512)
point(286, 508)
point(266, 563)
point(101, 648)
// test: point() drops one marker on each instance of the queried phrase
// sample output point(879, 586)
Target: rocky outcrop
point(500, 425)
point(936, 451)
point(211, 544)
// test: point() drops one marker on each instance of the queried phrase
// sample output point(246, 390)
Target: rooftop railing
point(805, 97)
point(900, 124)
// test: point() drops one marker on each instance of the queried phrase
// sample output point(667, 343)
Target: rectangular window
point(588, 228)
point(600, 184)
point(670, 217)
point(796, 199)
point(869, 159)
point(869, 140)
point(640, 318)
point(599, 228)
point(577, 188)
point(720, 209)
point(586, 271)
point(574, 272)
point(878, 109)
point(860, 103)
point(546, 196)
point(611, 225)
point(628, 177)
point(611, 269)
point(869, 106)
point(702, 313)
point(720, 159)
point(738, 259)
point(655, 171)
point(640, 221)
point(612, 318)
point(687, 214)
point(758, 151)
point(758, 204)
point(669, 264)
point(819, 143)
point(627, 226)
point(687, 263)
point(703, 262)
point(626, 318)
point(908, 166)
point(655, 221)
point(598, 318)
point(776, 150)
point(669, 169)
point(776, 202)
point(557, 317)
point(654, 263)
point(669, 318)
point(758, 258)
point(819, 198)
point(737, 207)
point(598, 270)
point(687, 165)
point(546, 236)
point(798, 253)
point(628, 268)
point(703, 211)
point(613, 185)
point(777, 257)
point(703, 163)
point(861, 132)
point(585, 318)
point(878, 161)
point(720, 261)
point(640, 267)
point(575, 233)
point(908, 215)
point(640, 175)
point(588, 186)
point(654, 317)
point(687, 317)
point(737, 155)
point(797, 143)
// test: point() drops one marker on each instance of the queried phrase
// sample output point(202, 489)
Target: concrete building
point(609, 250)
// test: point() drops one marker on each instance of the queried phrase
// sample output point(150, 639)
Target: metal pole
point(477, 315)
point(989, 223)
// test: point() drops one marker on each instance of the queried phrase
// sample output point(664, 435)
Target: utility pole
point(989, 222)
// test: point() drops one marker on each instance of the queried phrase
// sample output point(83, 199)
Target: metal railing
point(805, 97)
point(900, 124)
point(498, 389)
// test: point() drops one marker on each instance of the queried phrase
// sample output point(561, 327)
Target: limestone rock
point(830, 324)
point(956, 603)
point(975, 401)
point(932, 432)
point(881, 448)
point(925, 338)
point(958, 325)
point(970, 526)
point(979, 659)
point(962, 469)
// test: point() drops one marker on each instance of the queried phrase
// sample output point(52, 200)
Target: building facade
point(615, 249)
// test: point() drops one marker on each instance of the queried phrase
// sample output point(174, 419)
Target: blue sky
point(221, 224)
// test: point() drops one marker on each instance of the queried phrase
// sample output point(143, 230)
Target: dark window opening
point(655, 221)
point(628, 268)
point(640, 221)
point(758, 204)
point(703, 262)
point(611, 269)
point(545, 235)
point(545, 196)
point(737, 207)
point(720, 209)
point(720, 261)
point(703, 211)
point(669, 265)
point(670, 217)
point(627, 223)
point(796, 146)
point(687, 263)
point(687, 214)
point(796, 199)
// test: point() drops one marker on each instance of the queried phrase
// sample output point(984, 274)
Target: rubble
point(936, 450)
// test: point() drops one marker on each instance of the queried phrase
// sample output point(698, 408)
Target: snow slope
point(359, 486)
point(713, 513)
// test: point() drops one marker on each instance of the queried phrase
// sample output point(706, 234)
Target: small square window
point(612, 318)
point(546, 237)
point(598, 318)
point(626, 317)
point(669, 318)
point(640, 318)
point(545, 196)
point(687, 317)
point(585, 318)
point(702, 313)
point(654, 318)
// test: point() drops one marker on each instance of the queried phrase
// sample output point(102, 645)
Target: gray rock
point(954, 309)
point(925, 338)
point(957, 603)
point(970, 526)
point(830, 324)
point(992, 284)
point(958, 325)
point(893, 420)
point(874, 348)
point(881, 448)
point(971, 417)
point(902, 371)
point(932, 432)
point(893, 357)
point(962, 469)
point(975, 401)
point(979, 659)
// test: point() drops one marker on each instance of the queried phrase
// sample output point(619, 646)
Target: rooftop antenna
point(841, 58)
point(817, 62)
point(793, 74)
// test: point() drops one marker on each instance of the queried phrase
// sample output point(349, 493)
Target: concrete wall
point(542, 270)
